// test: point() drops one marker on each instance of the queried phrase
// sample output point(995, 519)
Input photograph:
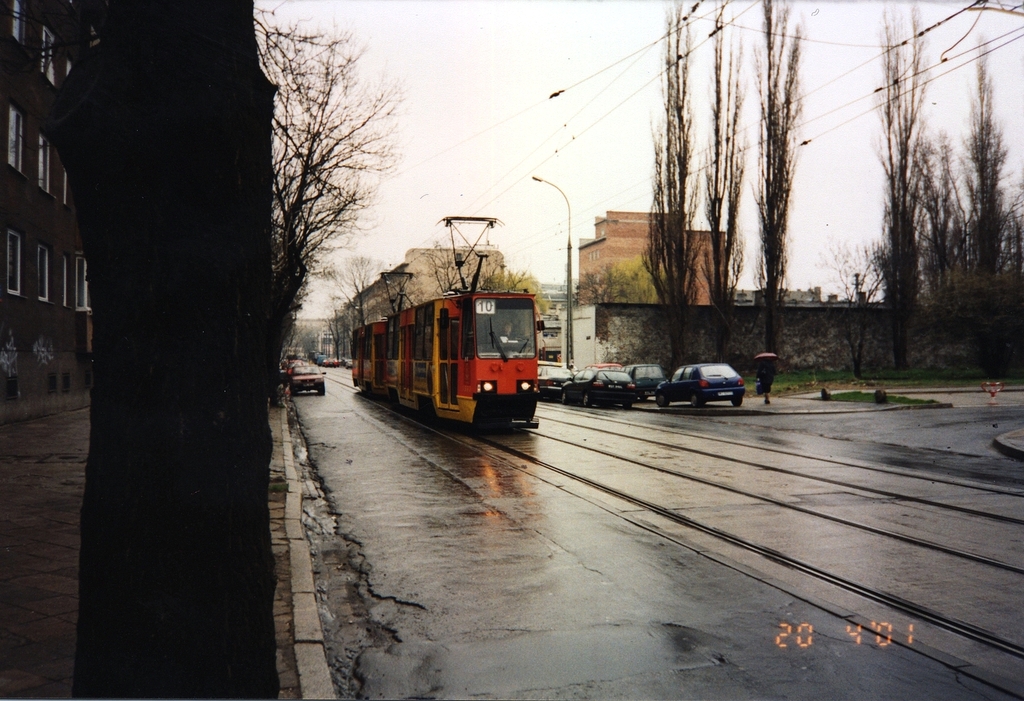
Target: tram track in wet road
point(605, 417)
point(526, 451)
point(818, 514)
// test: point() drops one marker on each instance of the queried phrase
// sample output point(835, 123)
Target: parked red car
point(307, 378)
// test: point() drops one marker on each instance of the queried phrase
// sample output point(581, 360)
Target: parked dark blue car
point(647, 379)
point(698, 384)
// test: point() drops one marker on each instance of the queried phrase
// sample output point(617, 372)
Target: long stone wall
point(813, 337)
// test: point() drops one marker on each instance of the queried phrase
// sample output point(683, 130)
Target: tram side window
point(417, 333)
point(442, 336)
point(392, 351)
point(428, 332)
point(455, 338)
point(467, 330)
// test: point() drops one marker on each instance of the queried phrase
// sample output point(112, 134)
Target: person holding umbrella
point(766, 373)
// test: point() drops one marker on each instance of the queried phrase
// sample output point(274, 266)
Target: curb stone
point(310, 657)
point(1010, 444)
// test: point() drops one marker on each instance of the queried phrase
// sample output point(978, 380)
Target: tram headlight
point(526, 386)
point(488, 387)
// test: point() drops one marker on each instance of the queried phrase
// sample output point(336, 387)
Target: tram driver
point(507, 335)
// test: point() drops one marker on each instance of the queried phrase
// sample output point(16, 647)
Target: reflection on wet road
point(466, 570)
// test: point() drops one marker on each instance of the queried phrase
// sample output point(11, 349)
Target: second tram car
point(469, 357)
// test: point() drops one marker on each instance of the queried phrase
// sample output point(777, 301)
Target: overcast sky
point(476, 120)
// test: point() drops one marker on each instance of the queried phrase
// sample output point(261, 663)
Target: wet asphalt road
point(444, 572)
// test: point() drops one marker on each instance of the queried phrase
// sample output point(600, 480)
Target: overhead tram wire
point(522, 243)
point(805, 142)
point(1020, 35)
point(731, 22)
point(624, 101)
point(532, 107)
point(606, 114)
point(783, 35)
point(570, 119)
point(557, 150)
point(1019, 31)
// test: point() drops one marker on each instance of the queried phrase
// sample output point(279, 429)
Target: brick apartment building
point(620, 237)
point(45, 322)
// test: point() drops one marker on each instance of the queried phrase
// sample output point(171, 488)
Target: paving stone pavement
point(42, 478)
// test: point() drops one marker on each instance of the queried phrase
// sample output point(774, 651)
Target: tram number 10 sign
point(802, 635)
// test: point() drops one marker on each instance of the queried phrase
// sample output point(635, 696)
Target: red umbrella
point(766, 356)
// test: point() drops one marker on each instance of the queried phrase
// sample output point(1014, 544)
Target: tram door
point(448, 360)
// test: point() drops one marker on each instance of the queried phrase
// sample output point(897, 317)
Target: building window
point(51, 383)
point(11, 388)
point(43, 259)
point(65, 381)
point(14, 262)
point(65, 288)
point(81, 285)
point(46, 50)
point(15, 137)
point(18, 20)
point(44, 164)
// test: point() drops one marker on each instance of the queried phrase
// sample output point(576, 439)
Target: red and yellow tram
point(469, 357)
point(369, 362)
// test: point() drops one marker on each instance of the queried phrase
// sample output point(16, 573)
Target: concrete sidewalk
point(42, 477)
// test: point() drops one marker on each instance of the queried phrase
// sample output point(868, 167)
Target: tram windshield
point(505, 328)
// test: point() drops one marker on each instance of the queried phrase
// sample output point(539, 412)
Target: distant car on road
point(307, 378)
point(647, 378)
point(594, 387)
point(550, 379)
point(699, 384)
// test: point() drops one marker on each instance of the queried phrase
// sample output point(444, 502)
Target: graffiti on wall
point(43, 350)
point(8, 353)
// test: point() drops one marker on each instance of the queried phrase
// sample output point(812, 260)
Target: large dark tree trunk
point(164, 128)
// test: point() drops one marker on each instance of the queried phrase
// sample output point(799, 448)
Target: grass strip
point(870, 398)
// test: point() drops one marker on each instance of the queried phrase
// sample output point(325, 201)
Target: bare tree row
point(951, 250)
point(683, 262)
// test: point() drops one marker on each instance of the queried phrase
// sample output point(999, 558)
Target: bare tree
point(723, 184)
point(902, 155)
point(987, 215)
point(856, 272)
point(352, 281)
point(778, 86)
point(984, 298)
point(1015, 244)
point(449, 274)
point(672, 249)
point(943, 234)
point(164, 128)
point(333, 138)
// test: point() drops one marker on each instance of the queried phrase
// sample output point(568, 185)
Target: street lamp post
point(568, 277)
